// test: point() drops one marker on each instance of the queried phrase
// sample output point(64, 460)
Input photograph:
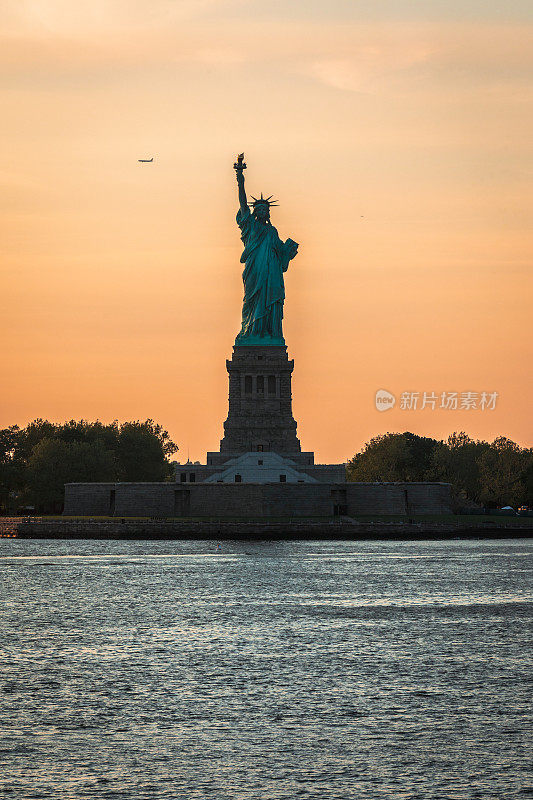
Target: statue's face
point(262, 212)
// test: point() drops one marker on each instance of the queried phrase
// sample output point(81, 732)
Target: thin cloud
point(467, 57)
point(372, 58)
point(65, 17)
point(366, 66)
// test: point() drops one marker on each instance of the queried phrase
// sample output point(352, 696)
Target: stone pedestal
point(260, 402)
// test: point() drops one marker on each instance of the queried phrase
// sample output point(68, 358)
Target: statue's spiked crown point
point(265, 201)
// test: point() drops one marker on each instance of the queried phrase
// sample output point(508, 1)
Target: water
point(267, 670)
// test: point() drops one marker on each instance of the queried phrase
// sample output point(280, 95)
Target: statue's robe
point(266, 258)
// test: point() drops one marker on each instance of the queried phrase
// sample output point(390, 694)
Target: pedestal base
point(260, 401)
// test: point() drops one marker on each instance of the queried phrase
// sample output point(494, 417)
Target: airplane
point(145, 160)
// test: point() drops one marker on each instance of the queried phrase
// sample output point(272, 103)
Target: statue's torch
point(239, 164)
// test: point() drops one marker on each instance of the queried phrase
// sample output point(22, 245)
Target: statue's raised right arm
point(239, 168)
point(243, 200)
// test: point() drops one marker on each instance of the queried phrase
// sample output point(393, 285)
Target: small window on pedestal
point(283, 479)
point(259, 448)
point(238, 479)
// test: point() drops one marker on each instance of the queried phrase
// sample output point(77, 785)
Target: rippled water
point(266, 670)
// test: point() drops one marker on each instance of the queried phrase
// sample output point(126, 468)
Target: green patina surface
point(266, 258)
point(254, 341)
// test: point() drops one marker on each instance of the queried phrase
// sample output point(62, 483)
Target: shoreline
point(304, 529)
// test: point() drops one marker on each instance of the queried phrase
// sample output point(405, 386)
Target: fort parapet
point(255, 500)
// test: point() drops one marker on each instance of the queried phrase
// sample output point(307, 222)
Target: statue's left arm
point(290, 248)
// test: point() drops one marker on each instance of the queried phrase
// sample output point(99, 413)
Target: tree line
point(36, 461)
point(486, 474)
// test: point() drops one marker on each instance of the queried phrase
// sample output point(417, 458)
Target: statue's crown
point(265, 201)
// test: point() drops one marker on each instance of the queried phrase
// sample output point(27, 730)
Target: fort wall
point(255, 500)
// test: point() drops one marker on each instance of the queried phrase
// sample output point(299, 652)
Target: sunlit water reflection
point(266, 670)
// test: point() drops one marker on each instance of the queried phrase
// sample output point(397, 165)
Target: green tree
point(54, 462)
point(37, 460)
point(501, 470)
point(456, 461)
point(31, 435)
point(527, 478)
point(11, 469)
point(393, 457)
point(89, 432)
point(486, 474)
point(142, 451)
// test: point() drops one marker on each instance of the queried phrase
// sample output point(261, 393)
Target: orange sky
point(396, 136)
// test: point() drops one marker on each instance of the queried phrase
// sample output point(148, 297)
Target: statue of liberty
point(266, 258)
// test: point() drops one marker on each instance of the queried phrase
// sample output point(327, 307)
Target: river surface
point(270, 670)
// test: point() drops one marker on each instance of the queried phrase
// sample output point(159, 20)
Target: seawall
point(185, 529)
